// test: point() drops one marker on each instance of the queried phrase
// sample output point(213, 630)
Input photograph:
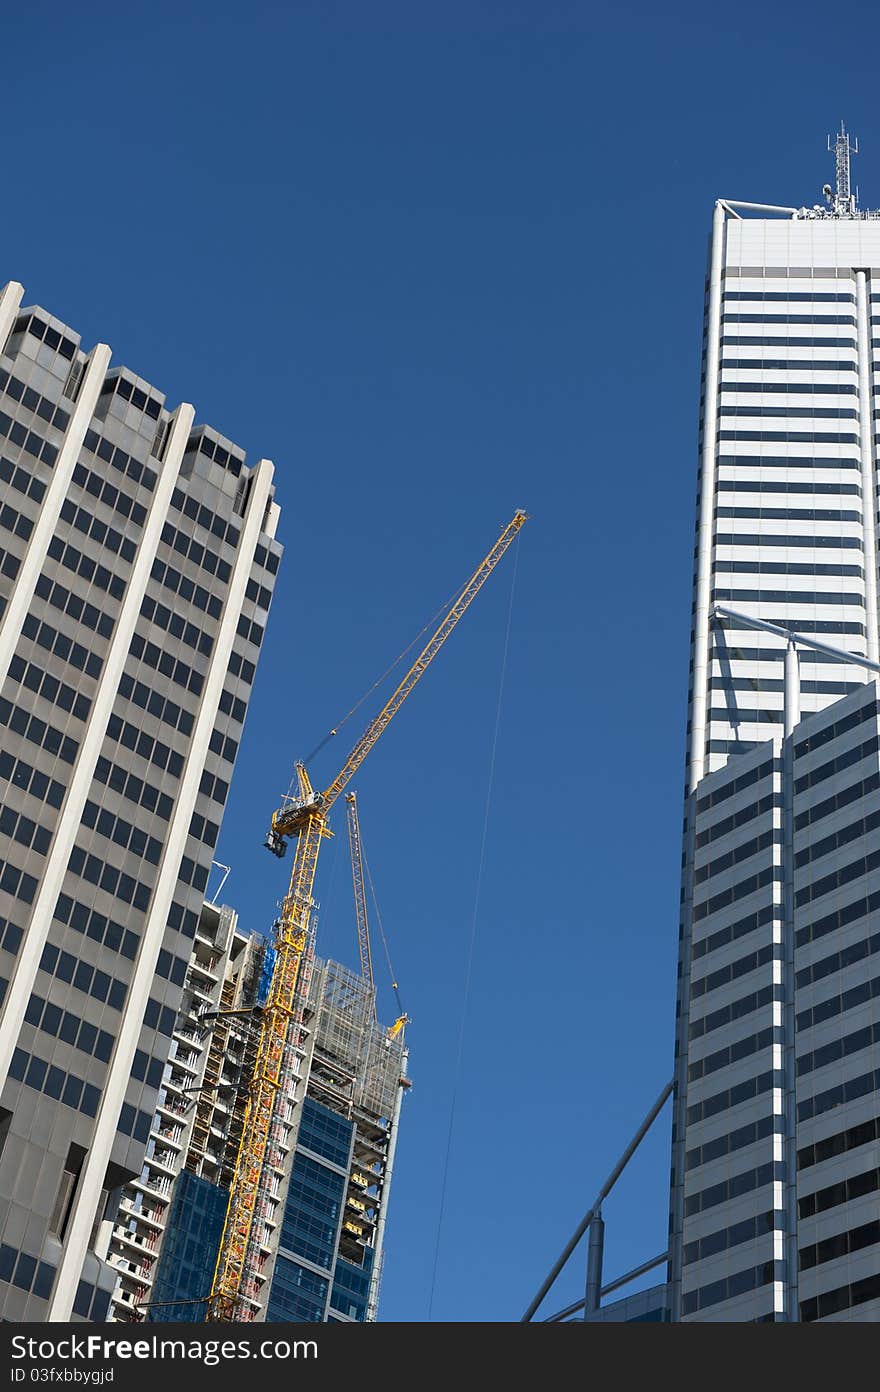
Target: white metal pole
point(700, 680)
point(866, 444)
point(792, 690)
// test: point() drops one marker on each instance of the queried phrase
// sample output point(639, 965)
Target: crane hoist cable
point(303, 819)
point(401, 1013)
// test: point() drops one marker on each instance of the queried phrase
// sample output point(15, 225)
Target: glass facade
point(186, 1267)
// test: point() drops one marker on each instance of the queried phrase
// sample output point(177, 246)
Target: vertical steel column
point(866, 449)
point(595, 1250)
point(783, 1012)
point(700, 680)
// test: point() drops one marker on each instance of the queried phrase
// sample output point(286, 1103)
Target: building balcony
point(154, 1218)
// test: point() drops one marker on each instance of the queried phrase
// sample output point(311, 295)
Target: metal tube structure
point(758, 207)
point(792, 690)
point(597, 1203)
point(611, 1287)
point(790, 635)
point(708, 465)
point(866, 451)
point(595, 1249)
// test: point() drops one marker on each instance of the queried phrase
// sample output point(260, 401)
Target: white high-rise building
point(774, 1207)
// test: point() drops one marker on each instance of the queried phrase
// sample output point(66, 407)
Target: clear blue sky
point(439, 261)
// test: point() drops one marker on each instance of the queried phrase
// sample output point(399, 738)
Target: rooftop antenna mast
point(842, 202)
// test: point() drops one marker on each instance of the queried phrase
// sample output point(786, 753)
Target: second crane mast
point(304, 818)
point(360, 893)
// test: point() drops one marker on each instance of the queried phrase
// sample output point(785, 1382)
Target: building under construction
point(316, 1246)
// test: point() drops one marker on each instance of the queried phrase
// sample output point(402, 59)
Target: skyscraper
point(137, 562)
point(774, 1174)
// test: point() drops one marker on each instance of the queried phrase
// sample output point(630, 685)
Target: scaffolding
point(353, 1055)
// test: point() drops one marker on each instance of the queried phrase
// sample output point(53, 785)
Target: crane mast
point(360, 893)
point(304, 819)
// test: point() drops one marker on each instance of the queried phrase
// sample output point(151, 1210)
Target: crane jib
point(241, 1241)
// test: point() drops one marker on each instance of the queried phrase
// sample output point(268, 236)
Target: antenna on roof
point(843, 201)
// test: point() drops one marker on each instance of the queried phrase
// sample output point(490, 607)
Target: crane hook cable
point(400, 1010)
point(456, 1076)
point(446, 605)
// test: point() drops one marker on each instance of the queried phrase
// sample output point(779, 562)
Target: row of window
point(175, 669)
point(746, 1091)
point(74, 654)
point(28, 440)
point(746, 1231)
point(233, 707)
point(215, 788)
point(855, 1136)
point(15, 882)
point(139, 742)
point(98, 531)
point(240, 667)
point(790, 412)
point(24, 830)
point(794, 437)
point(15, 522)
point(792, 389)
point(10, 936)
point(119, 460)
point(204, 830)
point(21, 480)
point(841, 1192)
point(26, 1272)
point(267, 559)
point(765, 485)
point(163, 708)
point(739, 1283)
point(821, 319)
point(197, 512)
point(84, 566)
point(731, 933)
point(140, 400)
point(146, 1069)
point(176, 625)
point(840, 918)
point(762, 567)
point(96, 926)
point(793, 514)
point(31, 728)
point(744, 851)
point(160, 1018)
point(734, 1140)
point(170, 967)
point(135, 789)
point(212, 449)
point(736, 1010)
point(816, 738)
point(812, 295)
point(44, 333)
point(734, 1053)
point(791, 364)
point(723, 652)
point(200, 555)
point(122, 833)
point(735, 715)
point(774, 684)
point(843, 1298)
point(837, 1049)
point(36, 1073)
point(105, 492)
point(848, 1091)
point(837, 878)
point(742, 890)
point(9, 564)
point(134, 1123)
point(192, 873)
point(251, 631)
point(738, 819)
point(258, 594)
point(66, 602)
point(41, 683)
point(839, 1004)
point(841, 543)
point(846, 957)
point(815, 849)
point(736, 785)
point(32, 401)
point(83, 977)
point(734, 1187)
point(837, 764)
point(781, 341)
point(187, 589)
point(63, 1024)
point(99, 872)
point(223, 746)
point(39, 785)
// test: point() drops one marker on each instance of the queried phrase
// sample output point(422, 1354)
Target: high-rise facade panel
point(137, 563)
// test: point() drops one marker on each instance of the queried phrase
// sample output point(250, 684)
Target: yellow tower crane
point(360, 909)
point(304, 819)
